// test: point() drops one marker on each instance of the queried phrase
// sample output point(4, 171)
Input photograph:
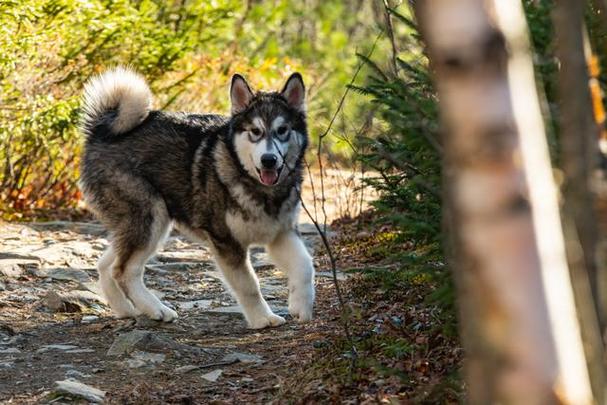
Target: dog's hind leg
point(120, 304)
point(289, 253)
point(243, 282)
point(134, 245)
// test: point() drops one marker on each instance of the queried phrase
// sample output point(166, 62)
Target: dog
point(230, 181)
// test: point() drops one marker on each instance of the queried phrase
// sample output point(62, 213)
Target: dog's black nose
point(268, 160)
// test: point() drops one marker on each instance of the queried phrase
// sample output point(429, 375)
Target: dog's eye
point(282, 133)
point(256, 131)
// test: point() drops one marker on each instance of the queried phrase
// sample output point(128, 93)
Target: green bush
point(407, 152)
point(49, 48)
point(186, 49)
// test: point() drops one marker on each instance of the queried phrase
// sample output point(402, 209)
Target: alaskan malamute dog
point(232, 181)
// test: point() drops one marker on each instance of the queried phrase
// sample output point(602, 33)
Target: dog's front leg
point(289, 253)
point(241, 278)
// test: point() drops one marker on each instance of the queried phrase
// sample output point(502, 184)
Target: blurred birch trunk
point(517, 312)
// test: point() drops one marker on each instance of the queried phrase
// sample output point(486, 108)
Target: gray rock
point(87, 228)
point(143, 340)
point(12, 265)
point(260, 259)
point(66, 274)
point(142, 359)
point(60, 303)
point(232, 309)
point(242, 357)
point(212, 376)
point(186, 369)
point(78, 389)
point(329, 274)
point(80, 351)
point(126, 342)
point(11, 270)
point(10, 350)
point(73, 301)
point(59, 347)
point(74, 374)
point(188, 305)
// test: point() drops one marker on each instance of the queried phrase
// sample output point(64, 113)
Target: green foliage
point(186, 49)
point(49, 48)
point(541, 31)
point(407, 156)
point(407, 150)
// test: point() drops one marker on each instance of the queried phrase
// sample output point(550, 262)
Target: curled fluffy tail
point(117, 101)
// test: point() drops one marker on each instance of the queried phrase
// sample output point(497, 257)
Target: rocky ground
point(60, 343)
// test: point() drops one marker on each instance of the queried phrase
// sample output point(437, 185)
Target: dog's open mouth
point(269, 177)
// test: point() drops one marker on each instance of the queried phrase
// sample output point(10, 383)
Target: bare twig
point(328, 129)
point(390, 30)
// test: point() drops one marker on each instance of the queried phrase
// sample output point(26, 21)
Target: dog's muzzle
point(269, 177)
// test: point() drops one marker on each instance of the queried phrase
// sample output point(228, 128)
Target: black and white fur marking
point(232, 181)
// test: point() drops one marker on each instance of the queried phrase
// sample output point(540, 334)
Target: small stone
point(329, 274)
point(68, 274)
point(213, 375)
point(186, 369)
point(89, 318)
point(188, 305)
point(59, 303)
point(78, 389)
point(81, 351)
point(75, 374)
point(60, 347)
point(242, 357)
point(11, 270)
point(363, 235)
point(141, 359)
point(126, 342)
point(10, 350)
point(143, 340)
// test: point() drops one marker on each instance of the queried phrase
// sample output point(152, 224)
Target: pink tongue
point(268, 177)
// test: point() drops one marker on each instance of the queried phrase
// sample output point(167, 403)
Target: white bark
point(516, 304)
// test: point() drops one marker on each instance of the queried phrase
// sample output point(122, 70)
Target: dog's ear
point(240, 94)
point(295, 92)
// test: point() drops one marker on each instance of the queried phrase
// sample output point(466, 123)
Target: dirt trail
point(57, 335)
point(55, 327)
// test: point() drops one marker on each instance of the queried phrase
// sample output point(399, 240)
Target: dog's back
point(134, 155)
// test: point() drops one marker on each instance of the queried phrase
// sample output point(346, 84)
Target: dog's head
point(269, 134)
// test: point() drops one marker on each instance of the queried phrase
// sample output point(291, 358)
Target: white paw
point(265, 321)
point(301, 302)
point(161, 313)
point(125, 310)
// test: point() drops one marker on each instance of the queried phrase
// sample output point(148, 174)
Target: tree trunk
point(517, 313)
point(579, 139)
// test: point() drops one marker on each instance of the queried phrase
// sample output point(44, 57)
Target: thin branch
point(326, 132)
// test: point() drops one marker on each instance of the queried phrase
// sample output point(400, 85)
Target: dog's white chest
point(257, 227)
point(257, 231)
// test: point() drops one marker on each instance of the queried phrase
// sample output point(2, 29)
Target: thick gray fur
point(144, 171)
